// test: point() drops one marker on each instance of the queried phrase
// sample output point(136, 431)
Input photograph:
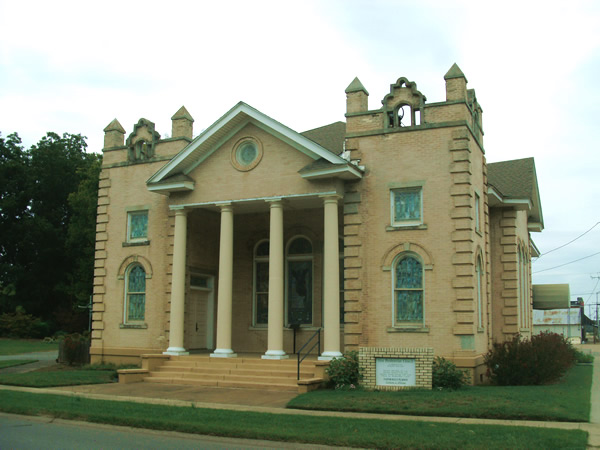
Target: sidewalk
point(44, 359)
point(274, 402)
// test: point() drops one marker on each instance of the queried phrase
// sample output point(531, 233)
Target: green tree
point(15, 217)
point(48, 211)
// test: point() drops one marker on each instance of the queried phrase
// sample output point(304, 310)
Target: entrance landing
point(247, 371)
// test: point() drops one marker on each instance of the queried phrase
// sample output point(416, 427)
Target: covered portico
point(317, 184)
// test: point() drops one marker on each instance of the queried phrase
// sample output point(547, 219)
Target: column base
point(275, 354)
point(328, 356)
point(223, 353)
point(176, 351)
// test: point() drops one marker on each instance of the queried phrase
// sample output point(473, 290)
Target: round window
point(247, 153)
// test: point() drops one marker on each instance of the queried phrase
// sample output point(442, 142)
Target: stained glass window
point(406, 205)
point(247, 153)
point(300, 246)
point(136, 293)
point(479, 274)
point(300, 292)
point(262, 293)
point(261, 283)
point(408, 290)
point(299, 282)
point(138, 225)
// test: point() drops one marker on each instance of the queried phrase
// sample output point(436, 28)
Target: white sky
point(74, 66)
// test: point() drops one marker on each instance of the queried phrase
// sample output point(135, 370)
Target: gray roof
point(329, 136)
point(514, 178)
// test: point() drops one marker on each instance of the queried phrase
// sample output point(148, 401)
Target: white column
point(275, 331)
point(224, 299)
point(331, 281)
point(178, 286)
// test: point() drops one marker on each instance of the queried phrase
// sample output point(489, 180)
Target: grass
point(567, 401)
point(66, 377)
point(18, 346)
point(15, 362)
point(368, 433)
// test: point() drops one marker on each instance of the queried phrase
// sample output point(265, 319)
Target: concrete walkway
point(44, 359)
point(274, 402)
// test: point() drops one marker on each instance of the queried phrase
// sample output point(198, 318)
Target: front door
point(199, 313)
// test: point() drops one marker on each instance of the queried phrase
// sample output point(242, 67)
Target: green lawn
point(15, 362)
point(18, 346)
point(567, 401)
point(58, 378)
point(368, 433)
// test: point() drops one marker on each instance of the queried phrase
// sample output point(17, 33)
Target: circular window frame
point(235, 160)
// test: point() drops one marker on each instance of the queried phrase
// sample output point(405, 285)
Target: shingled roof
point(516, 180)
point(329, 136)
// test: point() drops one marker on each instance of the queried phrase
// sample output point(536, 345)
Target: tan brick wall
point(508, 232)
point(122, 188)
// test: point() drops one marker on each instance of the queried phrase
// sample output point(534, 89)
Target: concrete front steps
point(242, 372)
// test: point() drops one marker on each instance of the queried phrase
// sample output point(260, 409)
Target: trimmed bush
point(74, 349)
point(540, 360)
point(22, 325)
point(344, 372)
point(583, 358)
point(445, 375)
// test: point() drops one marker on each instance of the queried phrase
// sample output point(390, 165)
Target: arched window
point(479, 275)
point(135, 293)
point(261, 283)
point(299, 290)
point(521, 288)
point(524, 287)
point(408, 290)
point(341, 251)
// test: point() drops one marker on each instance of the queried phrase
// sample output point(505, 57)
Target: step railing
point(317, 335)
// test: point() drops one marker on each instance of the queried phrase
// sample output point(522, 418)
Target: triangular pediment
point(220, 132)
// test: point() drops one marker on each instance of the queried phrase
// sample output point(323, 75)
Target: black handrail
point(317, 334)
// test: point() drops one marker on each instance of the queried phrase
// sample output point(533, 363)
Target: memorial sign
point(395, 372)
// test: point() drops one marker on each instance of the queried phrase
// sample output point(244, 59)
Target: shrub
point(540, 360)
point(22, 325)
point(74, 349)
point(344, 372)
point(445, 375)
point(583, 358)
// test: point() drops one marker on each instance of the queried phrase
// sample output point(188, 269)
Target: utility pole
point(597, 318)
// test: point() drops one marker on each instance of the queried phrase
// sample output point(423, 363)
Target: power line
point(570, 242)
point(593, 290)
point(566, 264)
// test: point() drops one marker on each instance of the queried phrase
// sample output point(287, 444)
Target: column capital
point(329, 198)
point(178, 209)
point(228, 207)
point(275, 202)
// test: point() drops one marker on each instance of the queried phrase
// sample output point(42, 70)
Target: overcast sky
point(75, 66)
